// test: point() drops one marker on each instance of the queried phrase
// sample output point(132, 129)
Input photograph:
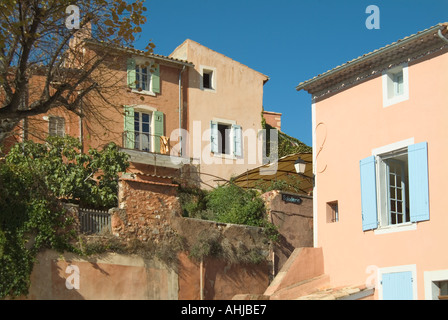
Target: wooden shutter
point(418, 182)
point(214, 138)
point(158, 129)
point(397, 286)
point(131, 73)
point(155, 78)
point(368, 194)
point(128, 137)
point(237, 141)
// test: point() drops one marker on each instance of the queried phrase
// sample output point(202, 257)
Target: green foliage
point(227, 204)
point(289, 183)
point(34, 178)
point(89, 179)
point(286, 144)
point(232, 204)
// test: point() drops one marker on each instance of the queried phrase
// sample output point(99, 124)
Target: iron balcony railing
point(147, 142)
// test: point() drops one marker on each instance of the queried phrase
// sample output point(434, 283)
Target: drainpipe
point(180, 109)
point(441, 36)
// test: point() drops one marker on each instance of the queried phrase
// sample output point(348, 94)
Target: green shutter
point(128, 137)
point(131, 73)
point(156, 79)
point(158, 129)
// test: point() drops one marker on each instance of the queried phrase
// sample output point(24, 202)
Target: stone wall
point(294, 222)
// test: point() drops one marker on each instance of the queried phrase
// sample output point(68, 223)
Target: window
point(208, 78)
point(142, 131)
point(332, 212)
point(226, 138)
point(56, 126)
point(394, 186)
point(443, 289)
point(143, 76)
point(395, 85)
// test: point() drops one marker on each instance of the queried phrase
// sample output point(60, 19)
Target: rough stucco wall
point(294, 222)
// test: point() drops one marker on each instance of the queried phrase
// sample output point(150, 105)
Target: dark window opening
point(207, 80)
point(224, 138)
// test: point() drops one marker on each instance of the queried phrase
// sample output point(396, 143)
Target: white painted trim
point(139, 61)
point(214, 78)
point(431, 290)
point(404, 268)
point(386, 79)
point(230, 156)
point(315, 220)
point(396, 228)
point(393, 146)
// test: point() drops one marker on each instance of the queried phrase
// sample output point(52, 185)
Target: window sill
point(396, 228)
point(147, 93)
point(224, 156)
point(395, 100)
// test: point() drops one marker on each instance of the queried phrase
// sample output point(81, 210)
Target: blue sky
point(289, 40)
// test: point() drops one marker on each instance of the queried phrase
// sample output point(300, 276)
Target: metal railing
point(147, 142)
point(94, 221)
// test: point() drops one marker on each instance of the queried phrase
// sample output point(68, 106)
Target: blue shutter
point(237, 141)
point(214, 137)
point(418, 182)
point(397, 286)
point(368, 194)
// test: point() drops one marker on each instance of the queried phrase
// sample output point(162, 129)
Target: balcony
point(152, 149)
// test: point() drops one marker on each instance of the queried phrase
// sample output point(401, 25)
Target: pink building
point(380, 138)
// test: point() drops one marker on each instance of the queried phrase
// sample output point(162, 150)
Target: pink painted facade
point(355, 118)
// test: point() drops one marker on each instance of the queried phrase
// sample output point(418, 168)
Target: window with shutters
point(395, 187)
point(56, 126)
point(144, 130)
point(143, 76)
point(226, 138)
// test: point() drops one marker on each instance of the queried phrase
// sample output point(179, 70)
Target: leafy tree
point(35, 180)
point(43, 62)
point(231, 204)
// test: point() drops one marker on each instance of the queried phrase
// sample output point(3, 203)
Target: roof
point(399, 49)
point(140, 53)
point(279, 170)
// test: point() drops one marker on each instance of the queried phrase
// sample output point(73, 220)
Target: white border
point(396, 99)
point(405, 268)
point(430, 288)
point(214, 78)
point(376, 152)
point(315, 222)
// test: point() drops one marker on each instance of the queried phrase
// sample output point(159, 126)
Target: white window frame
point(231, 153)
point(379, 153)
point(148, 110)
point(213, 80)
point(389, 79)
point(405, 268)
point(431, 289)
point(58, 119)
point(138, 64)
